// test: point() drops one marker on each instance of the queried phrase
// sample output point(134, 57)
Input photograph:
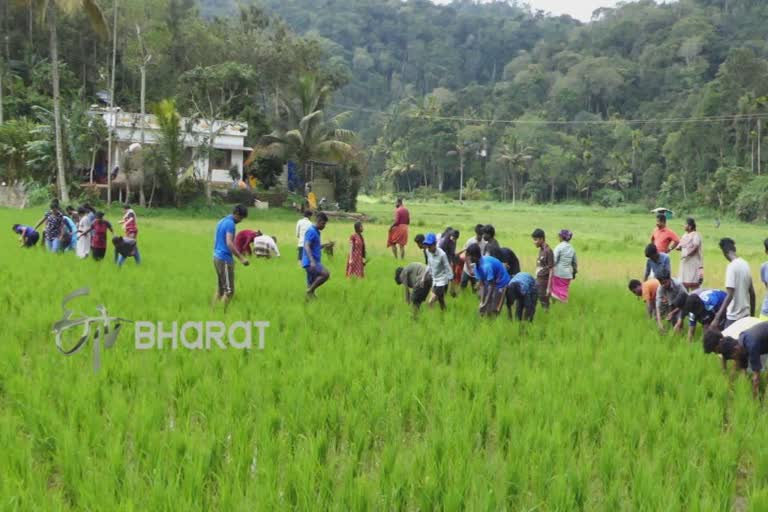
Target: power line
point(541, 122)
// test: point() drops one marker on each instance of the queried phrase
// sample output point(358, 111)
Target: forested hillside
point(655, 103)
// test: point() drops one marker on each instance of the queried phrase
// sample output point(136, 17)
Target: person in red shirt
point(99, 236)
point(244, 241)
point(129, 222)
point(662, 237)
point(398, 232)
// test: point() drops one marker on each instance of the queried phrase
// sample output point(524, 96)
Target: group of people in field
point(492, 271)
point(728, 316)
point(83, 231)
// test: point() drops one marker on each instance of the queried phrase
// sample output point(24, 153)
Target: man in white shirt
point(301, 229)
point(439, 269)
point(740, 302)
point(265, 246)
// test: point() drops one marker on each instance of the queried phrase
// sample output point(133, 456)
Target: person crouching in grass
point(647, 291)
point(125, 248)
point(522, 290)
point(225, 252)
point(745, 342)
point(416, 281)
point(492, 278)
point(28, 237)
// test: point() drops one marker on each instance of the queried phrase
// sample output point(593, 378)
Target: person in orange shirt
point(662, 237)
point(647, 291)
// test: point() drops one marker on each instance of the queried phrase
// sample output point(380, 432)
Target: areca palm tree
point(49, 11)
point(306, 134)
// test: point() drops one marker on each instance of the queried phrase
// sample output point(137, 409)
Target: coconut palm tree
point(516, 160)
point(49, 11)
point(305, 133)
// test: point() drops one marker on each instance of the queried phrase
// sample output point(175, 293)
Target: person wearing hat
point(439, 268)
point(545, 262)
point(565, 268)
point(746, 343)
point(416, 281)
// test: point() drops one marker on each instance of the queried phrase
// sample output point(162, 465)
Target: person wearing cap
point(669, 290)
point(129, 222)
point(398, 231)
point(492, 278)
point(656, 262)
point(521, 291)
point(565, 268)
point(416, 281)
point(439, 268)
point(662, 237)
point(740, 302)
point(700, 306)
point(647, 291)
point(545, 263)
point(746, 343)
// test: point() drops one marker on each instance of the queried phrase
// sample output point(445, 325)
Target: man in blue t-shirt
point(657, 262)
point(28, 237)
point(223, 251)
point(700, 307)
point(492, 278)
point(317, 274)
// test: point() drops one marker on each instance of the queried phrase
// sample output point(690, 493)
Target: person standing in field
point(416, 281)
point(668, 291)
point(301, 229)
point(83, 234)
point(447, 243)
point(521, 290)
point(69, 234)
point(129, 222)
point(98, 236)
point(357, 255)
point(317, 275)
point(656, 262)
point(691, 259)
point(491, 244)
point(566, 267)
point(740, 301)
point(545, 263)
point(265, 246)
point(439, 268)
point(492, 278)
point(764, 279)
point(700, 306)
point(419, 241)
point(662, 237)
point(54, 227)
point(28, 237)
point(126, 248)
point(398, 232)
point(647, 291)
point(244, 240)
point(746, 343)
point(224, 252)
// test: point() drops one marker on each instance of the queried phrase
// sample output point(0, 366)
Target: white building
point(229, 148)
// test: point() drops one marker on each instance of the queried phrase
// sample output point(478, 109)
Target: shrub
point(608, 198)
point(38, 195)
point(240, 196)
point(752, 201)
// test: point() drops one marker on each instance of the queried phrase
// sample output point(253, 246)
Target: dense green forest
point(662, 104)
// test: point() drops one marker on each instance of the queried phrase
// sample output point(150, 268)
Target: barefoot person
point(129, 222)
point(545, 262)
point(28, 237)
point(54, 227)
point(565, 268)
point(126, 248)
point(691, 260)
point(224, 252)
point(317, 274)
point(746, 343)
point(740, 301)
point(357, 254)
point(439, 268)
point(521, 290)
point(416, 281)
point(492, 279)
point(398, 232)
point(302, 226)
point(98, 236)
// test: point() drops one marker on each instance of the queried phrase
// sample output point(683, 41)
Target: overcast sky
point(579, 9)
